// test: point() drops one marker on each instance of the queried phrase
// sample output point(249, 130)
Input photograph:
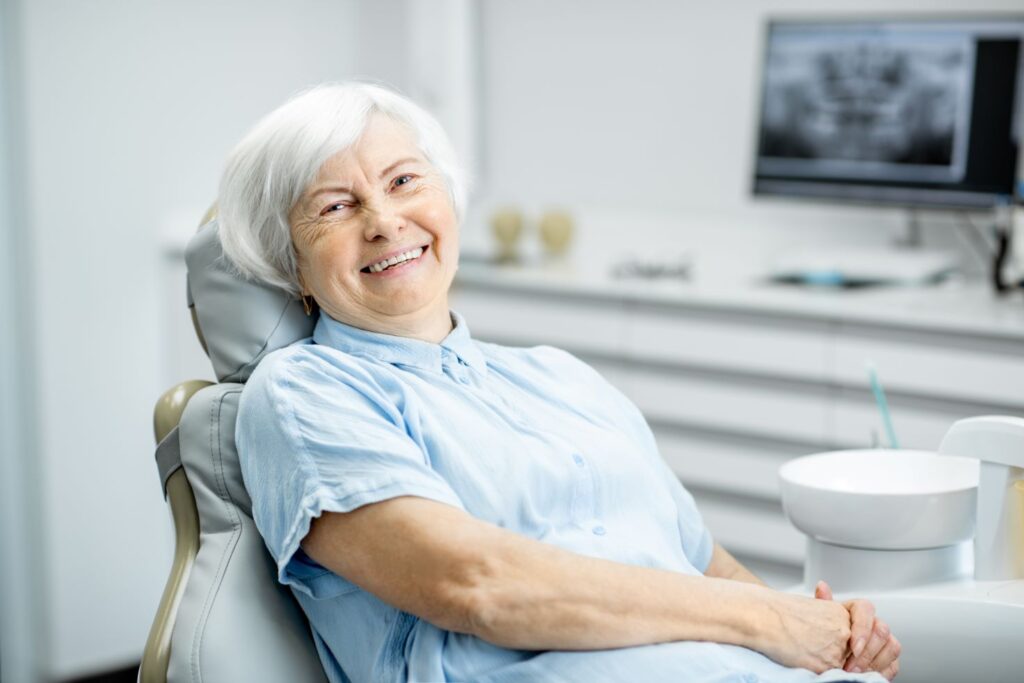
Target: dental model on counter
point(934, 540)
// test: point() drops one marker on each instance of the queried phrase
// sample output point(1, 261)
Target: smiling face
point(377, 237)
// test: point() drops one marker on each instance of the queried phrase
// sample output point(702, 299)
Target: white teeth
point(394, 260)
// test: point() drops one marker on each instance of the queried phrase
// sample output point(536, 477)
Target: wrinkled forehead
point(383, 141)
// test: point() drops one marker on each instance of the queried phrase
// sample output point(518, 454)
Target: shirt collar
point(401, 350)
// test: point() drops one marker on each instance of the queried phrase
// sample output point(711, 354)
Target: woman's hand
point(808, 633)
point(874, 647)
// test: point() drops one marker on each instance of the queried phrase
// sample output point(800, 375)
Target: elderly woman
point(448, 509)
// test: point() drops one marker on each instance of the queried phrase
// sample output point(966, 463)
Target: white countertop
point(968, 308)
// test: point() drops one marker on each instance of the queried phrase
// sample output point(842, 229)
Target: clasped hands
point(873, 646)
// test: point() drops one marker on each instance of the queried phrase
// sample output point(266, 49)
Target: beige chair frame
point(166, 416)
point(156, 655)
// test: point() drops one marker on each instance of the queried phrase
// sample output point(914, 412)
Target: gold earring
point(306, 305)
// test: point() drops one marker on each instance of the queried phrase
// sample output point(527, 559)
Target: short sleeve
point(316, 433)
point(697, 541)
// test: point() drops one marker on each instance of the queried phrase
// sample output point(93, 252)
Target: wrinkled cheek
point(343, 293)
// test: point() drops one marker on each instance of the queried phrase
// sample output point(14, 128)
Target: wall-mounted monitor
point(913, 112)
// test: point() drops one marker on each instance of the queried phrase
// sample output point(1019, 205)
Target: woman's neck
point(431, 325)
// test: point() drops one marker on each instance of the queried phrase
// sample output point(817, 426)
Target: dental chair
point(223, 616)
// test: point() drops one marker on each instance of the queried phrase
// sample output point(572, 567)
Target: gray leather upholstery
point(234, 621)
point(242, 321)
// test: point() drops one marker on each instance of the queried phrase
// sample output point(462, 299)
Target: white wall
point(20, 588)
point(642, 113)
point(131, 108)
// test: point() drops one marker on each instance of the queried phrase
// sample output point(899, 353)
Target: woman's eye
point(402, 180)
point(334, 207)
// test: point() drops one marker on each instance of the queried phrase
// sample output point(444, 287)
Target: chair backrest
point(223, 616)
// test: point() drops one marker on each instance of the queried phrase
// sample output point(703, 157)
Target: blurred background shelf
point(734, 383)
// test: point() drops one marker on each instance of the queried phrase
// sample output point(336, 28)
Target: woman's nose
point(383, 223)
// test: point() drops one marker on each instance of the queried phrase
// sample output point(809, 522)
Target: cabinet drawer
point(615, 373)
point(725, 464)
point(733, 342)
point(752, 530)
point(526, 320)
point(857, 418)
point(979, 370)
point(798, 413)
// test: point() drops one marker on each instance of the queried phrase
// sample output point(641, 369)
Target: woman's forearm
point(462, 574)
point(542, 597)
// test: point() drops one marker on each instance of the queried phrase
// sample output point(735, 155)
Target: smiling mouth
point(396, 261)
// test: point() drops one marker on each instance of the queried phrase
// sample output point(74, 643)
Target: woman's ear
point(299, 267)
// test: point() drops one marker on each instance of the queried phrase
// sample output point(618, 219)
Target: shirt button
point(600, 530)
point(578, 459)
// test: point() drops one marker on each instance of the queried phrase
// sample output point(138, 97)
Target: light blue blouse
point(530, 439)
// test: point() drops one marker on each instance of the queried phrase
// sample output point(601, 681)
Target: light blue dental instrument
point(883, 405)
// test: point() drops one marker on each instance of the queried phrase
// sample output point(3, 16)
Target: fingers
point(878, 640)
point(862, 623)
point(893, 670)
point(887, 660)
point(874, 648)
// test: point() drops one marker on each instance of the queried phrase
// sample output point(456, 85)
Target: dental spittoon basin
point(934, 540)
point(882, 499)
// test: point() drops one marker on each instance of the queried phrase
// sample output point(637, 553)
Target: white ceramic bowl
point(882, 499)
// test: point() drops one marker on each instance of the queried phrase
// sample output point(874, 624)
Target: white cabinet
point(709, 339)
point(743, 465)
point(925, 363)
point(525, 319)
point(729, 404)
point(736, 384)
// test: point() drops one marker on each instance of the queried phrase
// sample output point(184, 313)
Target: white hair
point(270, 169)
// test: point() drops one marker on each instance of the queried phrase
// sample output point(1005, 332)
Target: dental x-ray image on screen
point(904, 111)
point(863, 103)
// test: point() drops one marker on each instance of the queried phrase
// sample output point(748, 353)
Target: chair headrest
point(240, 321)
